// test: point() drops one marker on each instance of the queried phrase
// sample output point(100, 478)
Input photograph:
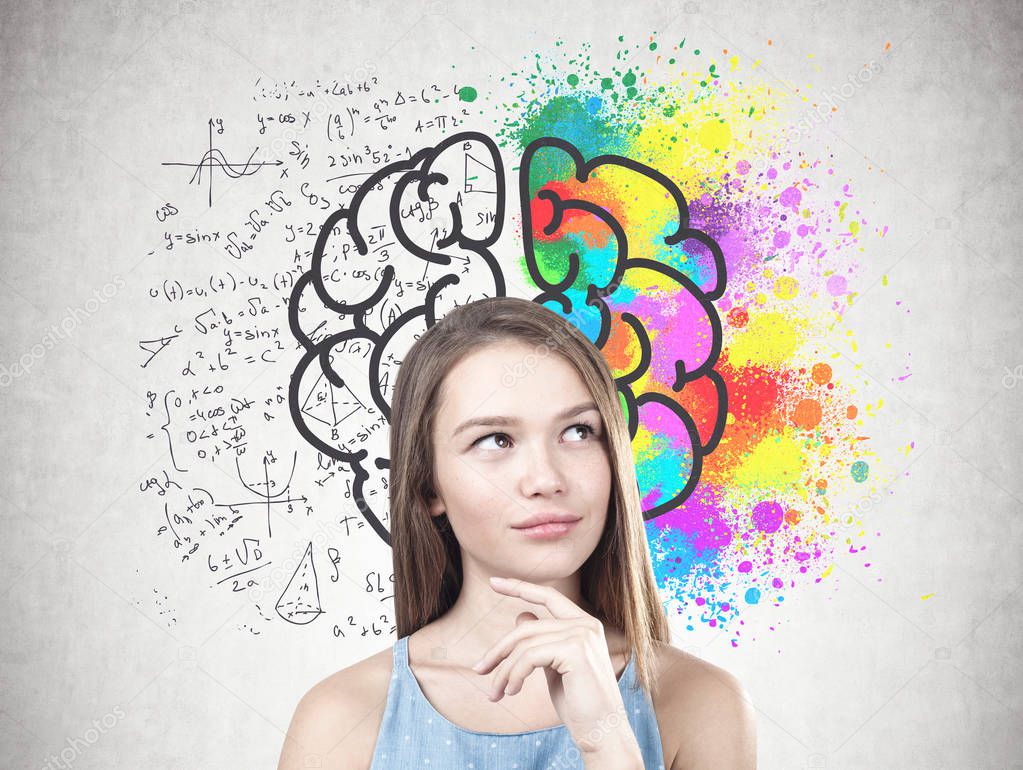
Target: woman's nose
point(543, 472)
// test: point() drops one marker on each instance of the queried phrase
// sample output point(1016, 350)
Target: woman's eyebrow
point(475, 421)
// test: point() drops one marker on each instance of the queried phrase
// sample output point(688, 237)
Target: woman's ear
point(434, 503)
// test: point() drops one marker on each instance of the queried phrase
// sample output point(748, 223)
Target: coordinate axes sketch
point(214, 160)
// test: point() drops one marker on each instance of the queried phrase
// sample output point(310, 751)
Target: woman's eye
point(590, 432)
point(589, 428)
point(480, 440)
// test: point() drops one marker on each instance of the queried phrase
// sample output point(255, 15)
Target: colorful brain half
point(609, 244)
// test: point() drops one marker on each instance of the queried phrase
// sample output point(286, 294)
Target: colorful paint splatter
point(781, 489)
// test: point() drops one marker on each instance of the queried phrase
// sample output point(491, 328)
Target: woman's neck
point(481, 616)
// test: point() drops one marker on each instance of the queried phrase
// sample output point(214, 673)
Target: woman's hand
point(572, 651)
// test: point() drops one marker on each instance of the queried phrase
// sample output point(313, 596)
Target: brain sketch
point(416, 242)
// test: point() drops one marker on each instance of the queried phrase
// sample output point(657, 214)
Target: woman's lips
point(551, 530)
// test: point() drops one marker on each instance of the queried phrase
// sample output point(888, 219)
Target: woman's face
point(492, 476)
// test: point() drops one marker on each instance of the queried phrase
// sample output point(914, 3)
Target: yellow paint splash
point(786, 287)
point(768, 338)
point(776, 462)
point(715, 135)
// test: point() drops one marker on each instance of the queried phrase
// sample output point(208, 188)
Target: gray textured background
point(867, 676)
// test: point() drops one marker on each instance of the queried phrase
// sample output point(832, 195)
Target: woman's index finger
point(559, 605)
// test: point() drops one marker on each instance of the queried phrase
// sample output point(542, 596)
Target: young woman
point(511, 458)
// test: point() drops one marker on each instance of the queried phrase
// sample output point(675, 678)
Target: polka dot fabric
point(414, 735)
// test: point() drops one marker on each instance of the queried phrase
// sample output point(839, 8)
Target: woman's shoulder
point(704, 708)
point(366, 674)
point(336, 722)
point(675, 663)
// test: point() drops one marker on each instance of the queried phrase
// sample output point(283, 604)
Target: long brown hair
point(617, 579)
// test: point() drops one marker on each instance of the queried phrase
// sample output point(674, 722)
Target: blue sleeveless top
point(413, 734)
